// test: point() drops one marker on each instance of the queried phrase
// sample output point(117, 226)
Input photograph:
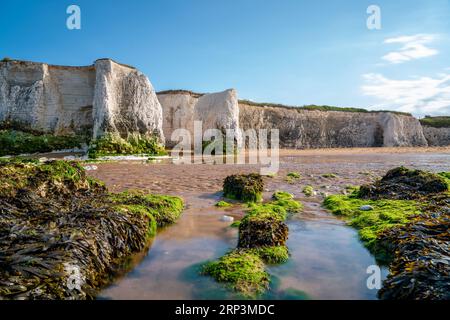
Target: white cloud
point(420, 96)
point(413, 47)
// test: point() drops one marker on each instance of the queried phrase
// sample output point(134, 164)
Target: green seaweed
point(262, 240)
point(329, 175)
point(61, 217)
point(273, 255)
point(282, 195)
point(386, 214)
point(114, 145)
point(235, 224)
point(15, 142)
point(242, 270)
point(446, 176)
point(165, 209)
point(247, 188)
point(294, 175)
point(223, 204)
point(308, 191)
point(221, 145)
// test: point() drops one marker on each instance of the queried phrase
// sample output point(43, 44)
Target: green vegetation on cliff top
point(436, 122)
point(313, 107)
point(279, 105)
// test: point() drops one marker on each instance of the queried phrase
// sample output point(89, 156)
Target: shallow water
point(327, 260)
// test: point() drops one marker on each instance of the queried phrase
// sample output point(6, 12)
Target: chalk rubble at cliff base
point(62, 235)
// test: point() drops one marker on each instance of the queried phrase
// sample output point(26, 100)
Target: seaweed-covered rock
point(264, 225)
point(421, 266)
point(243, 270)
point(244, 187)
point(409, 225)
point(262, 239)
point(404, 183)
point(61, 233)
point(165, 209)
point(262, 230)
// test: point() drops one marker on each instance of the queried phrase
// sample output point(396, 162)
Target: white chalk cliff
point(302, 129)
point(216, 111)
point(106, 97)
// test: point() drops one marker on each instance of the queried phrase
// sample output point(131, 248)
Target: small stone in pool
point(227, 219)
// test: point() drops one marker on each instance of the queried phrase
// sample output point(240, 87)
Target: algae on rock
point(54, 218)
point(247, 188)
point(262, 240)
point(16, 142)
point(114, 145)
point(407, 228)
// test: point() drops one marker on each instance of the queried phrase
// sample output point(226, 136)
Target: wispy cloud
point(412, 47)
point(421, 96)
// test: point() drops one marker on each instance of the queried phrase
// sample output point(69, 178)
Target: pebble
point(90, 168)
point(366, 208)
point(227, 219)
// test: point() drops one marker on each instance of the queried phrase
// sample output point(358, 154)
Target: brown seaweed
point(61, 234)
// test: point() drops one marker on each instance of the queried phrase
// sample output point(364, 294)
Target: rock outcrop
point(124, 101)
point(216, 111)
point(301, 128)
point(106, 97)
point(437, 137)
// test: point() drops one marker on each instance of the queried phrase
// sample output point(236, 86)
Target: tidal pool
point(327, 259)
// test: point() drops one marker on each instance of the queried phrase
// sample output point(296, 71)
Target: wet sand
point(327, 262)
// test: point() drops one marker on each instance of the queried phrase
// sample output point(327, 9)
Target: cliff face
point(105, 97)
point(216, 111)
point(47, 98)
point(437, 136)
point(125, 101)
point(333, 129)
point(108, 97)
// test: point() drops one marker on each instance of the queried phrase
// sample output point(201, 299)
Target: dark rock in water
point(262, 230)
point(404, 183)
point(244, 187)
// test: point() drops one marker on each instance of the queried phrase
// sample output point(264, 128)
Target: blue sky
point(287, 51)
